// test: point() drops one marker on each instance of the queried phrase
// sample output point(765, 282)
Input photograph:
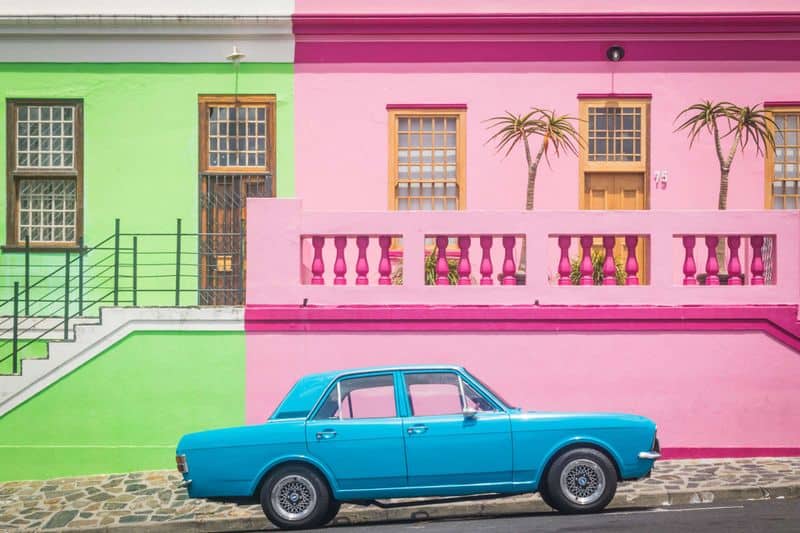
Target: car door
point(358, 435)
point(445, 447)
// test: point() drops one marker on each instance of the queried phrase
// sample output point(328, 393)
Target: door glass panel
point(368, 397)
point(440, 393)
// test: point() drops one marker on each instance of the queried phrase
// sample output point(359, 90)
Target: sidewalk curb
point(502, 506)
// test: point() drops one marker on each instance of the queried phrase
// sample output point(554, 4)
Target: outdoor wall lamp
point(615, 53)
point(236, 56)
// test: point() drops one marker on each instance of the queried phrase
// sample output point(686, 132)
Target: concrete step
point(44, 328)
point(91, 339)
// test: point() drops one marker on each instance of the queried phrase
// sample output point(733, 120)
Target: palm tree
point(557, 132)
point(744, 123)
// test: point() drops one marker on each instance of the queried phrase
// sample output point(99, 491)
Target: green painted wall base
point(126, 409)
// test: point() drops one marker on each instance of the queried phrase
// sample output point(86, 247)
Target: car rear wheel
point(581, 480)
point(296, 497)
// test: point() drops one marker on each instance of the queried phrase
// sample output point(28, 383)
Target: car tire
point(581, 480)
point(333, 510)
point(296, 497)
point(546, 496)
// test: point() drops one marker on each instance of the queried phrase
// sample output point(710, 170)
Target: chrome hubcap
point(293, 497)
point(583, 481)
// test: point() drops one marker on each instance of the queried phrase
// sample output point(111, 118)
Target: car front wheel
point(296, 497)
point(581, 480)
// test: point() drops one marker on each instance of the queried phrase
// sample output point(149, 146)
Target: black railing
point(124, 269)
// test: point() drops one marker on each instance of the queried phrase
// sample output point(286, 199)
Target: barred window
point(427, 160)
point(615, 133)
point(47, 210)
point(44, 155)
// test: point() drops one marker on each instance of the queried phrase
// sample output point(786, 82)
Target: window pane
point(45, 137)
point(237, 136)
point(786, 170)
point(434, 394)
point(47, 210)
point(369, 397)
point(614, 134)
point(423, 165)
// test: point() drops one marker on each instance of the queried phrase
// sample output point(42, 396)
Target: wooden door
point(618, 191)
point(222, 230)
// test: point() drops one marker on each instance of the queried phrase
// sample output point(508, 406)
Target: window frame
point(462, 379)
point(14, 175)
point(460, 114)
point(336, 385)
point(769, 156)
point(204, 101)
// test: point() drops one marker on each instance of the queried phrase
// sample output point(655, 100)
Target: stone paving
point(148, 498)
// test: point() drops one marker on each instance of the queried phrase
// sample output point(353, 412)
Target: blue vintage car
point(394, 432)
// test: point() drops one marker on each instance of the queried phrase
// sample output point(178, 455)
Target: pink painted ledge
point(778, 321)
point(545, 23)
point(426, 106)
point(727, 453)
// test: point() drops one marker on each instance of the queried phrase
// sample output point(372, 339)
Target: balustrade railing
point(512, 258)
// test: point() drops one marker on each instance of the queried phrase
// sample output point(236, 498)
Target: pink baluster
point(609, 265)
point(509, 267)
point(757, 266)
point(384, 265)
point(362, 266)
point(734, 266)
point(442, 268)
point(586, 267)
point(486, 260)
point(689, 266)
point(339, 266)
point(464, 268)
point(317, 265)
point(632, 264)
point(712, 265)
point(564, 266)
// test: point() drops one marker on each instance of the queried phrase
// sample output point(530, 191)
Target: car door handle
point(417, 429)
point(326, 434)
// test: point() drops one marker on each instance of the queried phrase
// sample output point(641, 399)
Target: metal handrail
point(122, 271)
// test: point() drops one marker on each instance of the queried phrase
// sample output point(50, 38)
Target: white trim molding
point(158, 39)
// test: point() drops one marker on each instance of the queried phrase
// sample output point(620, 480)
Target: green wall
point(141, 144)
point(126, 409)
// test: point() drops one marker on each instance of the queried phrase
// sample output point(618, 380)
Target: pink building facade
point(393, 162)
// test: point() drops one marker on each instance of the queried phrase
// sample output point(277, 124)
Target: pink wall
point(705, 390)
point(341, 149)
point(540, 6)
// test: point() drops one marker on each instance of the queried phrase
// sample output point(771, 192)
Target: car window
point(367, 397)
point(440, 393)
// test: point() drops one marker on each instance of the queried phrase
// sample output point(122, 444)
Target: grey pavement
point(151, 501)
point(747, 516)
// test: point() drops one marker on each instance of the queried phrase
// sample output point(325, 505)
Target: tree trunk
point(533, 166)
point(723, 188)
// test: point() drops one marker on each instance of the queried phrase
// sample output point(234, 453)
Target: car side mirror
point(470, 413)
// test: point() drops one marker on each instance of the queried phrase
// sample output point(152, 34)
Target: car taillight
point(180, 461)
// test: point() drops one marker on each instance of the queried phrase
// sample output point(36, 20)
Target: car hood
point(586, 420)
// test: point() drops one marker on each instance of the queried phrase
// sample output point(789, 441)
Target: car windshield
point(492, 391)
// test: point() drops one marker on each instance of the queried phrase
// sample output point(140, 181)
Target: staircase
point(127, 282)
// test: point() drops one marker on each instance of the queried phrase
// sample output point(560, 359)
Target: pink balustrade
point(514, 258)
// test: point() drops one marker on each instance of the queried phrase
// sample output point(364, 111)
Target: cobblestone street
point(150, 498)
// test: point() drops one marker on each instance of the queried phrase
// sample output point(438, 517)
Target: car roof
point(304, 394)
point(333, 374)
